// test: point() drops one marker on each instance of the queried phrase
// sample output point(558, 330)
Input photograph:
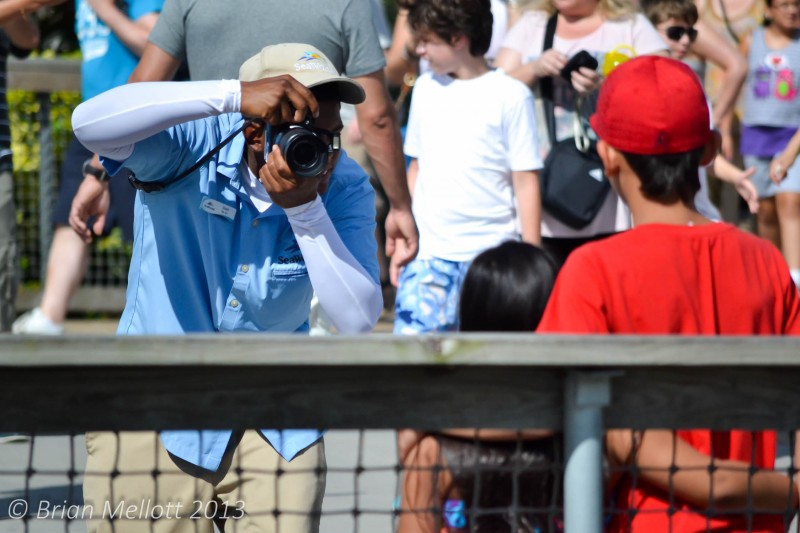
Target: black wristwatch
point(99, 173)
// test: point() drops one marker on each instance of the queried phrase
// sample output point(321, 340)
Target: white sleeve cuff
point(232, 90)
point(306, 213)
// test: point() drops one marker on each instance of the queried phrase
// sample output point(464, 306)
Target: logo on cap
point(308, 56)
point(312, 61)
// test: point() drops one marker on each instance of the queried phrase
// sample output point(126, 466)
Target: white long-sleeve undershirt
point(345, 291)
point(112, 122)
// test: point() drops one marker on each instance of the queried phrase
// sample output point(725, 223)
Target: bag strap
point(157, 186)
point(582, 141)
point(546, 83)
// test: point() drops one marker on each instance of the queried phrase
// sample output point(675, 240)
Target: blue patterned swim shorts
point(427, 296)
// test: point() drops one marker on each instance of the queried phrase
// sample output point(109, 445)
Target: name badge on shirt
point(217, 208)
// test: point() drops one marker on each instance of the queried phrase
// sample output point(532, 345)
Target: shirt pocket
point(289, 280)
point(288, 271)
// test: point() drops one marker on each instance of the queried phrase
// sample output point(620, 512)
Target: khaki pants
point(134, 485)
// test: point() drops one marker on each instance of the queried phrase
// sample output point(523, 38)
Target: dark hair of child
point(450, 19)
point(767, 21)
point(668, 178)
point(657, 11)
point(506, 288)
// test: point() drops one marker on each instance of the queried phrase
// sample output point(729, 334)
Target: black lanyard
point(157, 186)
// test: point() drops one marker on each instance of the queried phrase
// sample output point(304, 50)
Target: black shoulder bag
point(573, 184)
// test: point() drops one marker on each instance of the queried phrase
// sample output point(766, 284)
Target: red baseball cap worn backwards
point(652, 105)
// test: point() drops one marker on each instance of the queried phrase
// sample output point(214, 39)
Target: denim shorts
point(765, 187)
point(427, 296)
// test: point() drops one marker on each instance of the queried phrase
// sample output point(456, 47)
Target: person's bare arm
point(498, 434)
point(549, 64)
point(378, 122)
point(154, 65)
point(400, 57)
point(413, 171)
point(20, 28)
point(23, 32)
point(132, 33)
point(510, 62)
point(796, 460)
point(740, 179)
point(395, 266)
point(726, 488)
point(529, 203)
point(514, 13)
point(713, 47)
point(14, 8)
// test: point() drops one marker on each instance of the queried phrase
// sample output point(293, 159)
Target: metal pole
point(47, 172)
point(586, 395)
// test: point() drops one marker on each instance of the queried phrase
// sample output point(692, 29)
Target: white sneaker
point(34, 322)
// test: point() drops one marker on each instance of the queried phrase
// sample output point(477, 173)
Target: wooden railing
point(580, 385)
point(385, 381)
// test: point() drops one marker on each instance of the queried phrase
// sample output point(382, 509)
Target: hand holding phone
point(581, 59)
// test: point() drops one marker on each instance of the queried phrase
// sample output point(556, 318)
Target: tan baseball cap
point(304, 63)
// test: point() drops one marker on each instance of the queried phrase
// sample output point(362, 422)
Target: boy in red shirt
point(675, 272)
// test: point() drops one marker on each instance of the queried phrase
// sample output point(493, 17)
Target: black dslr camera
point(303, 146)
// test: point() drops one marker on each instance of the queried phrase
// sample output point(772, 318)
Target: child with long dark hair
point(463, 479)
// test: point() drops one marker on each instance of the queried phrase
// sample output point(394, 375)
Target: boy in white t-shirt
point(475, 160)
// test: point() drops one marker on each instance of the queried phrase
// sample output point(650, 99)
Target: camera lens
point(305, 153)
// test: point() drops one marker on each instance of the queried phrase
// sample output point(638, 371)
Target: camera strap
point(157, 186)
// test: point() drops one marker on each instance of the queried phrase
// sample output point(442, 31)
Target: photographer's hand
point(285, 187)
point(277, 100)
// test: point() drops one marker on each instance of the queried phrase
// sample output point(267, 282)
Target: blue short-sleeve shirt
point(106, 61)
point(205, 259)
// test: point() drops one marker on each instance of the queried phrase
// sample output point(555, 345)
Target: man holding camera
point(232, 241)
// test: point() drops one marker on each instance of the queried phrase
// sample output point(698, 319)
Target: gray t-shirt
point(771, 95)
point(216, 36)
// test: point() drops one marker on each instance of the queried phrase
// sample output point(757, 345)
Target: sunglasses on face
point(675, 33)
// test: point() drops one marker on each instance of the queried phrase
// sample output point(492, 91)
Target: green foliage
point(24, 111)
point(111, 254)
